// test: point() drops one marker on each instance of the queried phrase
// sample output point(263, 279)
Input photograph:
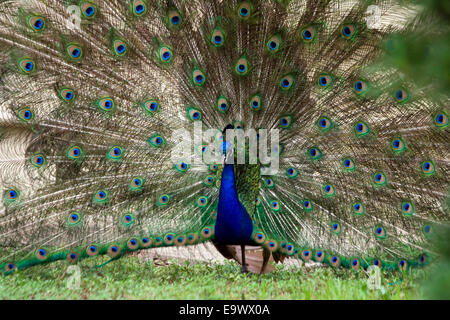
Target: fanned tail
point(102, 94)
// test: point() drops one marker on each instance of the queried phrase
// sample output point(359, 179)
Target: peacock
point(272, 129)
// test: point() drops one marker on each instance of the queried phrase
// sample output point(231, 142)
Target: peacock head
point(226, 145)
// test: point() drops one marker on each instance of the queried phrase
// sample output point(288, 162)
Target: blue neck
point(233, 224)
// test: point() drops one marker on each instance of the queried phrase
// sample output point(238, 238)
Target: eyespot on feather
point(106, 104)
point(74, 219)
point(361, 129)
point(88, 9)
point(287, 82)
point(114, 251)
point(244, 10)
point(198, 77)
point(67, 95)
point(274, 44)
point(150, 106)
point(156, 140)
point(138, 8)
point(74, 52)
point(348, 164)
point(308, 34)
point(255, 102)
point(36, 23)
point(11, 195)
point(165, 54)
point(26, 65)
point(174, 19)
point(242, 66)
point(25, 114)
point(75, 153)
point(38, 160)
point(217, 38)
point(348, 31)
point(120, 48)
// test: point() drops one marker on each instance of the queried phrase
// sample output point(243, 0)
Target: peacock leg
point(244, 265)
point(266, 257)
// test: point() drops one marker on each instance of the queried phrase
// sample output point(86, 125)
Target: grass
point(130, 278)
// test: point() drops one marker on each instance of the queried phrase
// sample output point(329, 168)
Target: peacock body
point(98, 96)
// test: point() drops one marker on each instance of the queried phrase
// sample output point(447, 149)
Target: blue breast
point(233, 224)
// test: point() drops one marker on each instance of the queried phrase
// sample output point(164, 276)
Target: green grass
point(129, 278)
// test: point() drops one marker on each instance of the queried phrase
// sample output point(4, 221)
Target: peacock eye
point(136, 184)
point(287, 82)
point(41, 254)
point(223, 104)
point(291, 173)
point(75, 153)
point(181, 166)
point(255, 102)
point(244, 10)
point(156, 140)
point(67, 95)
point(25, 114)
point(324, 124)
point(325, 81)
point(106, 105)
point(401, 95)
point(308, 34)
point(242, 66)
point(120, 48)
point(268, 182)
point(358, 208)
point(380, 232)
point(441, 120)
point(127, 219)
point(26, 65)
point(217, 38)
point(115, 153)
point(407, 208)
point(348, 164)
point(74, 51)
point(361, 129)
point(398, 145)
point(202, 201)
point(307, 205)
point(208, 181)
point(194, 114)
point(74, 219)
point(314, 153)
point(286, 121)
point(37, 160)
point(348, 31)
point(328, 190)
point(174, 19)
point(198, 77)
point(319, 256)
point(165, 54)
point(138, 8)
point(335, 227)
point(11, 196)
point(275, 206)
point(150, 106)
point(360, 86)
point(428, 168)
point(163, 199)
point(88, 9)
point(36, 23)
point(379, 179)
point(274, 44)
